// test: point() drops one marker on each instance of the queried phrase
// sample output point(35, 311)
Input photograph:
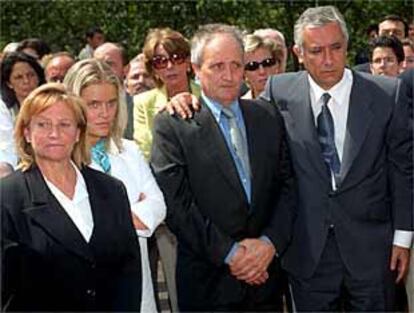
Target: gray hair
point(317, 17)
point(206, 33)
point(272, 33)
point(253, 42)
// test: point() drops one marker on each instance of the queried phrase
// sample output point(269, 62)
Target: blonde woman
point(101, 90)
point(262, 59)
point(70, 240)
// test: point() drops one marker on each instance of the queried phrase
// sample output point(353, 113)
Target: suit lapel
point(215, 145)
point(359, 119)
point(301, 123)
point(98, 201)
point(49, 214)
point(253, 138)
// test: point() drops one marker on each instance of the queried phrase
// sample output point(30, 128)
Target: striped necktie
point(326, 136)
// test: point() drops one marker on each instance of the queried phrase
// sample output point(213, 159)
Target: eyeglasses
point(46, 126)
point(160, 62)
point(253, 65)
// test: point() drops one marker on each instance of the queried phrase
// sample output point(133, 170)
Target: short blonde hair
point(171, 40)
point(253, 42)
point(38, 101)
point(90, 72)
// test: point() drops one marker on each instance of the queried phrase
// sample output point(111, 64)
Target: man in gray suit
point(351, 148)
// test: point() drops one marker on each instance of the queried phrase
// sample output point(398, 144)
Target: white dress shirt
point(7, 148)
point(130, 167)
point(78, 208)
point(339, 107)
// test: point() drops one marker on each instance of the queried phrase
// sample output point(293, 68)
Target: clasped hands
point(251, 260)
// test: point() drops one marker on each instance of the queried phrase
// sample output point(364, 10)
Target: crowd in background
point(123, 97)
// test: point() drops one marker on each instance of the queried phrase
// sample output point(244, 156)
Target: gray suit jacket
point(375, 196)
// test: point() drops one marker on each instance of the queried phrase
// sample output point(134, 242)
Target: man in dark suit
point(351, 148)
point(228, 185)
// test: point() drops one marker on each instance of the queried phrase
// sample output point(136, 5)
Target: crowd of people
point(258, 189)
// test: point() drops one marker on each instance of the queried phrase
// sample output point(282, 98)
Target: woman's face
point(53, 133)
point(261, 65)
point(102, 104)
point(23, 79)
point(172, 69)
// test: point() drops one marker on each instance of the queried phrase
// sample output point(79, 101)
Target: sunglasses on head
point(253, 65)
point(160, 62)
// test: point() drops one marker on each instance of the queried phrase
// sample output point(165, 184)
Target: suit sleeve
point(128, 288)
point(193, 230)
point(280, 226)
point(400, 161)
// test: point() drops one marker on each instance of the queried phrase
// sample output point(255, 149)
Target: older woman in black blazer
point(67, 233)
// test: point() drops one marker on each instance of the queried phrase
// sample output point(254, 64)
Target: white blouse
point(7, 148)
point(130, 167)
point(78, 208)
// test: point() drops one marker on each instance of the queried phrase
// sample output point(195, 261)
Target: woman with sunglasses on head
point(20, 74)
point(167, 59)
point(262, 59)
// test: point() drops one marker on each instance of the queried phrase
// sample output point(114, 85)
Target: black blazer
point(207, 207)
point(376, 194)
point(50, 265)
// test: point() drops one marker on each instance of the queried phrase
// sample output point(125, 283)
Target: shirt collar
point(216, 108)
point(337, 92)
point(81, 191)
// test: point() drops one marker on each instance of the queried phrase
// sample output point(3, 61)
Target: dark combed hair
point(92, 31)
point(38, 45)
point(10, 59)
point(391, 42)
point(396, 18)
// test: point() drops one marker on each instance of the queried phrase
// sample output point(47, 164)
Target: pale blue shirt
point(222, 121)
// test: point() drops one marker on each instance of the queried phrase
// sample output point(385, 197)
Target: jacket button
point(91, 292)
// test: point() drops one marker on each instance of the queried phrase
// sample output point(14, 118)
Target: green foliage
point(62, 23)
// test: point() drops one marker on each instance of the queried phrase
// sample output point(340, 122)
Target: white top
point(130, 167)
point(7, 148)
point(339, 107)
point(78, 208)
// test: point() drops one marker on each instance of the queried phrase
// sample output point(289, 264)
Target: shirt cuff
point(232, 252)
point(403, 238)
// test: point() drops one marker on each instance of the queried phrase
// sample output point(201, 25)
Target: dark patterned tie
point(326, 135)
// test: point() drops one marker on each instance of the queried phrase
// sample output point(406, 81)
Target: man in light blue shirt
point(228, 184)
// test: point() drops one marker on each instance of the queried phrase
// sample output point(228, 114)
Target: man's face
point(138, 80)
point(113, 57)
point(96, 40)
point(388, 28)
point(408, 58)
point(384, 62)
point(221, 70)
point(56, 69)
point(323, 54)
